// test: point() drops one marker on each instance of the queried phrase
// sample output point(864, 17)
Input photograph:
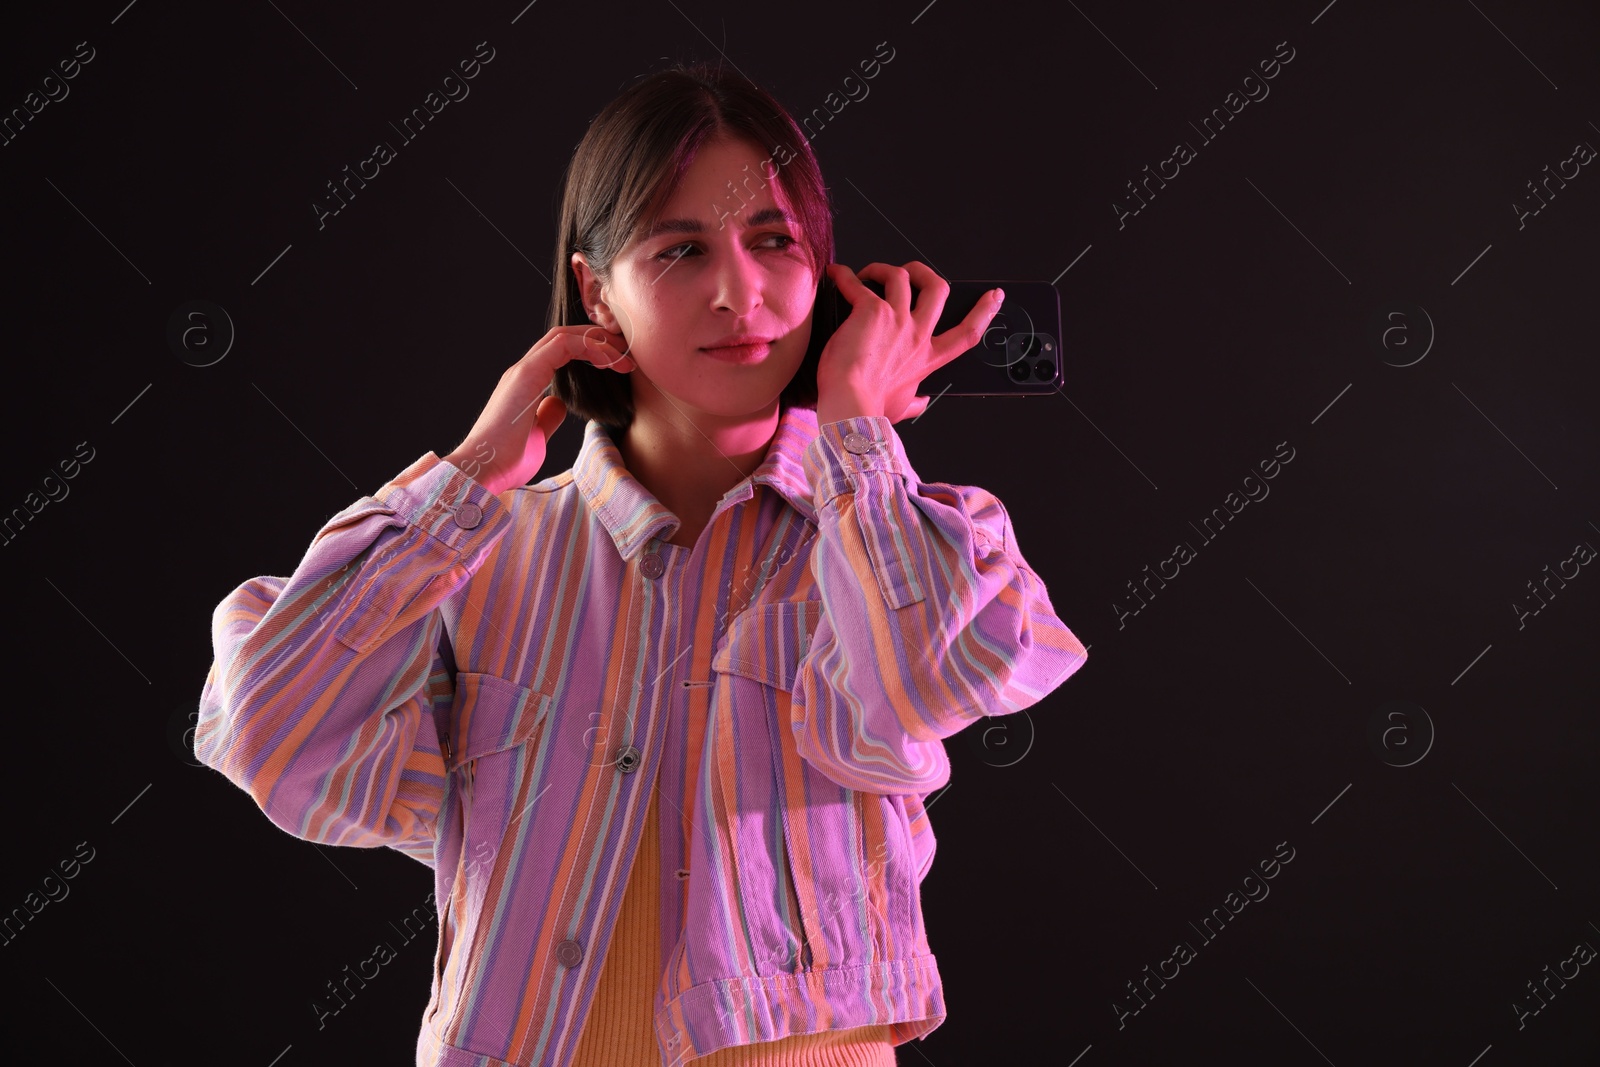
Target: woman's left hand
point(885, 347)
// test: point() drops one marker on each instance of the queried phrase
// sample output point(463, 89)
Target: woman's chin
point(722, 405)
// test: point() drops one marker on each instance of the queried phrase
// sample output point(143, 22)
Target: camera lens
point(1045, 370)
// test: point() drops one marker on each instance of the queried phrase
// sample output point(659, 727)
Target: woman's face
point(721, 262)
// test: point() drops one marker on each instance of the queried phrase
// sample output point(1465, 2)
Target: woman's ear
point(591, 291)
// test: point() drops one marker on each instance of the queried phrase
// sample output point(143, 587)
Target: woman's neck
point(689, 462)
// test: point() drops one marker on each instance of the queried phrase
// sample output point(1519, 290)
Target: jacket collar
point(632, 514)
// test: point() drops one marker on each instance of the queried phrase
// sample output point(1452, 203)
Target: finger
point(968, 332)
point(606, 349)
point(549, 415)
point(932, 292)
point(896, 284)
point(913, 410)
point(849, 286)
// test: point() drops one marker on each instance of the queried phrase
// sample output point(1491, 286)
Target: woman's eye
point(684, 249)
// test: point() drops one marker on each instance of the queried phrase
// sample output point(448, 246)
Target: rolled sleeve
point(931, 618)
point(322, 699)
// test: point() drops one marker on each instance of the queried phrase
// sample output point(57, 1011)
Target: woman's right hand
point(506, 446)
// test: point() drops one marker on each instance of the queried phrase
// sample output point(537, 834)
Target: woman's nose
point(738, 287)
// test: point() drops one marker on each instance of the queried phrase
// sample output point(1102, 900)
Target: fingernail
point(999, 295)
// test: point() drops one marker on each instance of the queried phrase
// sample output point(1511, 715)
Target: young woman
point(663, 723)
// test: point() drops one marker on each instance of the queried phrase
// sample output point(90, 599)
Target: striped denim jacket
point(493, 690)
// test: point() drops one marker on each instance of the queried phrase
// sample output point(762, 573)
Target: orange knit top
point(619, 1031)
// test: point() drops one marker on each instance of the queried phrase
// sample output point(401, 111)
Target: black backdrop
point(1354, 666)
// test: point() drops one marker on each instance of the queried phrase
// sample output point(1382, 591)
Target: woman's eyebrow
point(760, 218)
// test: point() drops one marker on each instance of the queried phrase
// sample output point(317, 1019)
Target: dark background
point(1436, 472)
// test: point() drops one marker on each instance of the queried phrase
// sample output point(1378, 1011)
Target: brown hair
point(623, 172)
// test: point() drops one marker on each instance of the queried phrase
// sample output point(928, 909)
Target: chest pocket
point(491, 715)
point(767, 642)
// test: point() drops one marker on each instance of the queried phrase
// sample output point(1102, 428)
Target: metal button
point(569, 953)
point(468, 515)
point(651, 566)
point(857, 442)
point(628, 760)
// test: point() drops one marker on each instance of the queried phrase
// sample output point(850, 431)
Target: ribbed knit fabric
point(618, 1030)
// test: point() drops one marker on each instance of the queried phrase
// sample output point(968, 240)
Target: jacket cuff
point(437, 497)
point(844, 450)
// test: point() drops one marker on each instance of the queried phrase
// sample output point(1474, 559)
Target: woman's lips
point(739, 353)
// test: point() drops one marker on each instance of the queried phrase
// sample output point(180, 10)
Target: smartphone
point(1018, 355)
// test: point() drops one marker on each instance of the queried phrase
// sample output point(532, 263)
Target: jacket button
point(628, 760)
point(651, 566)
point(469, 515)
point(569, 953)
point(857, 442)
